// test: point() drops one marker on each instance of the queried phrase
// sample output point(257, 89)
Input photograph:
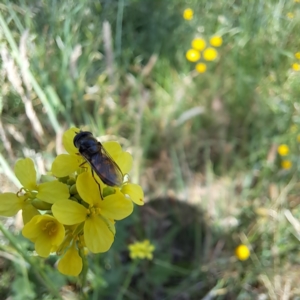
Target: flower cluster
point(296, 65)
point(141, 250)
point(76, 210)
point(201, 50)
point(283, 150)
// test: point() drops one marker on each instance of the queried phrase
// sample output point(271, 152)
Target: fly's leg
point(94, 178)
point(97, 184)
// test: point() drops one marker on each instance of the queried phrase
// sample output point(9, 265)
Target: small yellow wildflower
point(298, 138)
point(286, 164)
point(297, 1)
point(290, 15)
point(97, 214)
point(200, 67)
point(297, 54)
point(216, 41)
point(188, 14)
point(198, 44)
point(283, 150)
point(242, 252)
point(210, 54)
point(32, 196)
point(142, 250)
point(192, 55)
point(46, 232)
point(296, 67)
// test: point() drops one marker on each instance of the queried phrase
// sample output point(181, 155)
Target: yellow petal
point(135, 192)
point(69, 212)
point(116, 206)
point(25, 172)
point(97, 236)
point(71, 263)
point(10, 204)
point(53, 191)
point(124, 161)
point(65, 164)
point(43, 246)
point(87, 188)
point(31, 230)
point(113, 148)
point(29, 212)
point(68, 138)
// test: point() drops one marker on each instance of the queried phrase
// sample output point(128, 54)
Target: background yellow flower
point(242, 252)
point(286, 164)
point(198, 44)
point(193, 55)
point(283, 149)
point(296, 67)
point(216, 41)
point(210, 54)
point(141, 250)
point(188, 14)
point(200, 67)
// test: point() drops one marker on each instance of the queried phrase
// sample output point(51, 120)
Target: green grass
point(208, 140)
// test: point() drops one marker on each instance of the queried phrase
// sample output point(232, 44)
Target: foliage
point(218, 144)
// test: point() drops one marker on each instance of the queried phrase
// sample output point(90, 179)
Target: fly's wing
point(106, 168)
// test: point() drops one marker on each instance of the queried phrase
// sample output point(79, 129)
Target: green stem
point(83, 274)
point(36, 268)
point(127, 281)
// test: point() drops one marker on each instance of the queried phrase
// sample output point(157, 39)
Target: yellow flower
point(297, 1)
point(192, 55)
point(46, 232)
point(242, 252)
point(298, 138)
point(71, 263)
point(290, 15)
point(198, 44)
point(188, 14)
point(296, 67)
point(286, 164)
point(32, 196)
point(283, 150)
point(216, 41)
point(297, 54)
point(210, 54)
point(97, 214)
point(142, 250)
point(200, 67)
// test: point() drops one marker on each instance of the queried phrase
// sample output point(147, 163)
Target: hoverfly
point(100, 161)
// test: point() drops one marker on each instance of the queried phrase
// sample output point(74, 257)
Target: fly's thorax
point(82, 137)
